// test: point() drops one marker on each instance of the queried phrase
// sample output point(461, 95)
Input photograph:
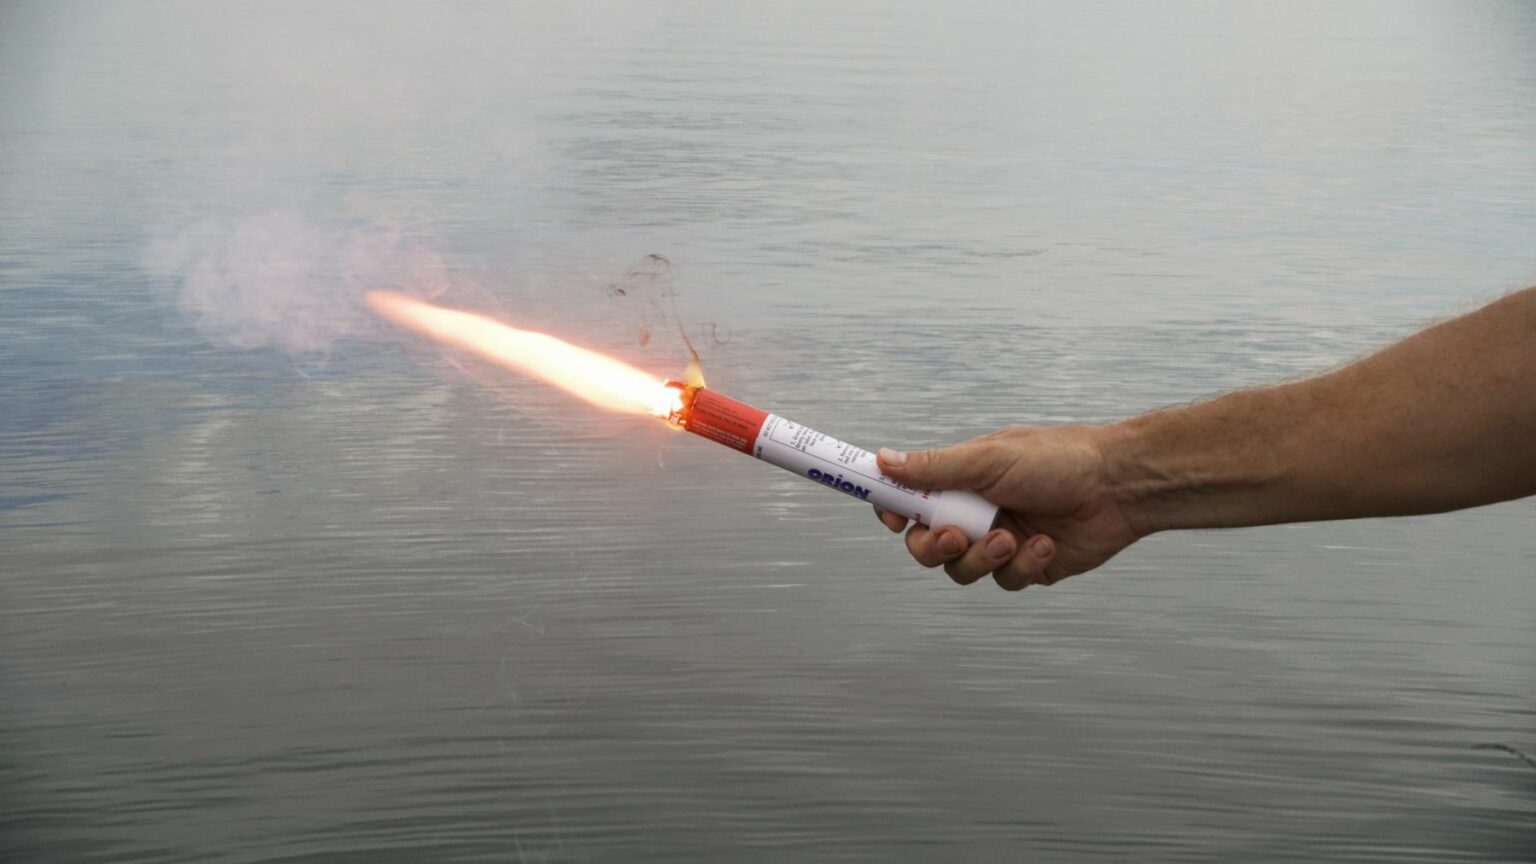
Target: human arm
point(1441, 420)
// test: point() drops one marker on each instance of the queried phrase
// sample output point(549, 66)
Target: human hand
point(1058, 516)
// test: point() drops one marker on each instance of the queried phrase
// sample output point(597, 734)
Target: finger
point(891, 520)
point(963, 466)
point(1051, 571)
point(1028, 566)
point(982, 558)
point(932, 548)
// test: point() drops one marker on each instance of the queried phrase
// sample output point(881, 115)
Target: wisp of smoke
point(283, 282)
point(650, 286)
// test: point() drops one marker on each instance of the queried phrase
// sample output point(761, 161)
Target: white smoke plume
point(283, 282)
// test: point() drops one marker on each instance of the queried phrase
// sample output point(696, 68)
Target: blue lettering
point(837, 482)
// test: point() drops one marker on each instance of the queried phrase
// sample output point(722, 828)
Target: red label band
point(725, 421)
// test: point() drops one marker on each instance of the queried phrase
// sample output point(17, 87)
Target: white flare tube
point(826, 460)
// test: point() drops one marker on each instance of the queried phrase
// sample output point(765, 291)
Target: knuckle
point(916, 465)
point(924, 553)
point(1015, 572)
point(960, 573)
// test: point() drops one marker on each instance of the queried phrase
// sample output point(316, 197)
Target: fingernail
point(1040, 547)
point(999, 545)
point(949, 543)
point(892, 457)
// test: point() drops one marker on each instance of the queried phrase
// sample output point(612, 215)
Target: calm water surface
point(355, 606)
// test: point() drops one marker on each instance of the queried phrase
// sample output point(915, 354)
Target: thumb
point(963, 466)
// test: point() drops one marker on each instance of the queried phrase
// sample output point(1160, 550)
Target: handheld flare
point(826, 460)
point(614, 385)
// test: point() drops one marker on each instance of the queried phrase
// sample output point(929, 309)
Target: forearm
point(1444, 419)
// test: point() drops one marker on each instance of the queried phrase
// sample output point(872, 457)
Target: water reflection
point(253, 610)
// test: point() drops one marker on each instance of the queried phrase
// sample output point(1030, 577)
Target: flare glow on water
point(618, 386)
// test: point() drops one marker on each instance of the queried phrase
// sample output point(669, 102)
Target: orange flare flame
point(600, 380)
